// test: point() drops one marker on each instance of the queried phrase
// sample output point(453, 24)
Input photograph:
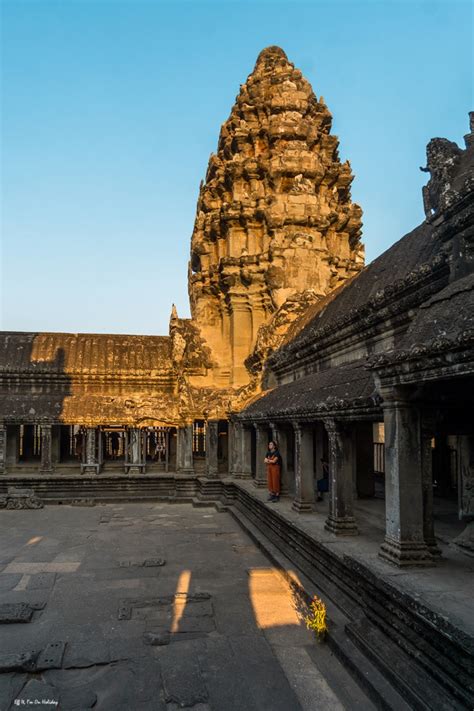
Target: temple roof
point(330, 391)
point(384, 273)
point(442, 328)
point(84, 353)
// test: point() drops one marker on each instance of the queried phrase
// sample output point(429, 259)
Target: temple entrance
point(29, 443)
point(71, 443)
point(157, 444)
point(199, 439)
point(113, 446)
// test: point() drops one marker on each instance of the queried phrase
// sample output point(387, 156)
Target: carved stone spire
point(274, 215)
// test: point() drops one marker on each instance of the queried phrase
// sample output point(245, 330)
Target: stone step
point(367, 676)
point(439, 652)
point(416, 686)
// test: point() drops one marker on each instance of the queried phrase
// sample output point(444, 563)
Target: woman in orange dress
point(273, 462)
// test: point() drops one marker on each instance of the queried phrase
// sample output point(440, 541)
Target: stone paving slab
point(118, 633)
point(11, 613)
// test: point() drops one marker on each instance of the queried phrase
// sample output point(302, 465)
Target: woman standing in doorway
point(273, 462)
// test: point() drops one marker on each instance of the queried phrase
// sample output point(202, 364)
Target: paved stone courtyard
point(153, 606)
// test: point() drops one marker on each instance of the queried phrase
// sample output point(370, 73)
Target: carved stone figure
point(442, 163)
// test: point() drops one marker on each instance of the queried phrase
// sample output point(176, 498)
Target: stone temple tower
point(274, 214)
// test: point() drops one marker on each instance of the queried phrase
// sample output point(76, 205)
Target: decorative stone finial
point(271, 53)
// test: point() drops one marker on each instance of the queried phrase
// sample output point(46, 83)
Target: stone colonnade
point(180, 455)
point(346, 446)
point(409, 536)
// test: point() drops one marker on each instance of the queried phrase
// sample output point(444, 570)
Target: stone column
point(56, 444)
point(185, 450)
point(364, 454)
point(404, 538)
point(12, 445)
point(90, 465)
point(304, 475)
point(427, 433)
point(179, 448)
point(134, 453)
point(3, 448)
point(173, 450)
point(261, 432)
point(235, 462)
point(212, 435)
point(241, 334)
point(46, 449)
point(280, 437)
point(341, 519)
point(245, 453)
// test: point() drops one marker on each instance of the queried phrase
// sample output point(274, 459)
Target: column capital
point(333, 426)
point(396, 396)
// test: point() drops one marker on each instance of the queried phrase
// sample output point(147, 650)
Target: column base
point(260, 484)
point(342, 526)
point(89, 470)
point(187, 472)
point(212, 473)
point(47, 471)
point(241, 475)
point(302, 506)
point(134, 471)
point(405, 554)
point(432, 546)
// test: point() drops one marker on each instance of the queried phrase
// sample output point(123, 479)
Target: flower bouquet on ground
point(316, 619)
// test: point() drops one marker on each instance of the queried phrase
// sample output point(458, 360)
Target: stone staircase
point(428, 660)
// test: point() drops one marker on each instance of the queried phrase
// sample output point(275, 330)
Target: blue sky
point(111, 109)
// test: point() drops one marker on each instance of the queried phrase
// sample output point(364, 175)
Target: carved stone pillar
point(304, 474)
point(91, 464)
point(427, 433)
point(3, 448)
point(404, 538)
point(235, 449)
point(12, 445)
point(134, 454)
point(246, 453)
point(261, 432)
point(212, 437)
point(341, 519)
point(185, 450)
point(46, 449)
point(241, 335)
point(173, 447)
point(279, 436)
point(55, 445)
